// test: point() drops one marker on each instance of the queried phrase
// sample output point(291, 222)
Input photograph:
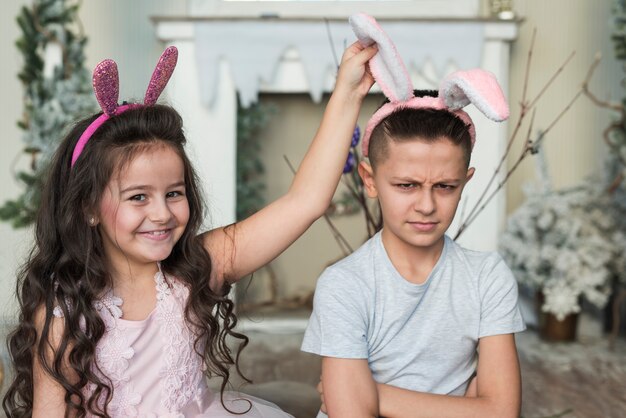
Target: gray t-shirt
point(418, 337)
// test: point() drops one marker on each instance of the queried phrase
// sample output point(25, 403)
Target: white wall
point(574, 148)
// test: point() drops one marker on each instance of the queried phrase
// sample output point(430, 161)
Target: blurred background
point(252, 82)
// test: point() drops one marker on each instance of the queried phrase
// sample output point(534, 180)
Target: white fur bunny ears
point(456, 91)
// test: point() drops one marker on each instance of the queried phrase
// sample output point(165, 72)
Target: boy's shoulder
point(356, 267)
point(359, 258)
point(478, 264)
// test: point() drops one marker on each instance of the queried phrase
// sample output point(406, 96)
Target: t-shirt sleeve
point(499, 313)
point(338, 324)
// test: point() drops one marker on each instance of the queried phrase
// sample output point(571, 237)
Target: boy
point(399, 321)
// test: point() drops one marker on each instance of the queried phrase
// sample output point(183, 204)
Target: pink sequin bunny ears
point(456, 91)
point(106, 86)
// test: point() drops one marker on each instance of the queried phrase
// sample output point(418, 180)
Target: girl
point(124, 308)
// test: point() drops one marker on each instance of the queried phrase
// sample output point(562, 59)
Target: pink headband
point(106, 86)
point(456, 91)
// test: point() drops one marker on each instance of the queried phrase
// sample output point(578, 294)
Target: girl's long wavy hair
point(67, 267)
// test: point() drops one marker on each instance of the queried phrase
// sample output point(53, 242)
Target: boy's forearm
point(395, 402)
point(348, 388)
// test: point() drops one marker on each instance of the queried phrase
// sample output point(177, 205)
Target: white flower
point(545, 220)
point(560, 300)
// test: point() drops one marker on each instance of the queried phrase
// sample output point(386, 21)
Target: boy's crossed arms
point(349, 390)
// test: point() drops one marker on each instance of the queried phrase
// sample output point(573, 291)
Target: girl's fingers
point(358, 50)
point(365, 54)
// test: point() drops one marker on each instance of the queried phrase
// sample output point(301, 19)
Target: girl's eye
point(138, 197)
point(176, 193)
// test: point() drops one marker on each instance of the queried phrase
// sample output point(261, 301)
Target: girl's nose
point(160, 212)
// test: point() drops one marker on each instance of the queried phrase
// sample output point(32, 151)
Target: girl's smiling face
point(144, 209)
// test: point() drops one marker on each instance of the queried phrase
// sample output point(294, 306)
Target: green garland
point(617, 131)
point(50, 103)
point(250, 184)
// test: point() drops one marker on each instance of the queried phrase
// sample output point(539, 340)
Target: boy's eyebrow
point(412, 180)
point(148, 187)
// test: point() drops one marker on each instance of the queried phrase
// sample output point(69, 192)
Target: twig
point(369, 220)
point(485, 196)
point(525, 151)
point(529, 148)
point(528, 61)
point(341, 241)
point(332, 45)
point(551, 80)
point(523, 112)
point(602, 103)
point(569, 105)
point(617, 125)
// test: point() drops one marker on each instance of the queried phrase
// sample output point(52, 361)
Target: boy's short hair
point(425, 124)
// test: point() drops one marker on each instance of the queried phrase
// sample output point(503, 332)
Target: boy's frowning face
point(419, 187)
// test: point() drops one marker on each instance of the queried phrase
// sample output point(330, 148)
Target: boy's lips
point(423, 226)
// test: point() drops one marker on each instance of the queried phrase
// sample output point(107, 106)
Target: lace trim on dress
point(179, 373)
point(113, 354)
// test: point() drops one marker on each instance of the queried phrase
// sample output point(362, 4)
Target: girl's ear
point(367, 175)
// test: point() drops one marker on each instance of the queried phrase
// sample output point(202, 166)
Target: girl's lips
point(157, 235)
point(423, 226)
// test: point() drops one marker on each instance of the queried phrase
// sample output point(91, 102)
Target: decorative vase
point(553, 330)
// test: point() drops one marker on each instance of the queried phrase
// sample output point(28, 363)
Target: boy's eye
point(405, 186)
point(138, 197)
point(445, 186)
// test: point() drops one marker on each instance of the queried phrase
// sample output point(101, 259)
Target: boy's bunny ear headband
point(106, 86)
point(455, 92)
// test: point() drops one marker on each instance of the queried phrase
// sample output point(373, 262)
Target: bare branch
point(602, 103)
point(527, 73)
point(341, 240)
point(529, 145)
point(332, 45)
point(551, 80)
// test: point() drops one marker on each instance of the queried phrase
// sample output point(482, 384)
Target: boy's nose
point(424, 204)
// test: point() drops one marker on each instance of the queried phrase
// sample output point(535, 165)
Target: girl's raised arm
point(240, 250)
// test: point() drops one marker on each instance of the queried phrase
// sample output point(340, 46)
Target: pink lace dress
point(153, 367)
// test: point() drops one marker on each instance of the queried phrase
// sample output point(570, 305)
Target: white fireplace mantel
point(211, 129)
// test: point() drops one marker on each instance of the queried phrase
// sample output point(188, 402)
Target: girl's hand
point(354, 75)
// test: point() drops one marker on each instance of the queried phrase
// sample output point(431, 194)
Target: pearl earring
point(92, 221)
